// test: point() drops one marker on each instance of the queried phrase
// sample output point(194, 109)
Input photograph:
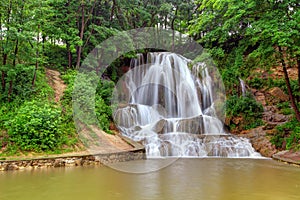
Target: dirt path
point(56, 83)
point(97, 141)
point(108, 143)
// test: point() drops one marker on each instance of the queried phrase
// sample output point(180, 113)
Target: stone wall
point(71, 161)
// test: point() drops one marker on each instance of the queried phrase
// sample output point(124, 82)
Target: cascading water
point(172, 109)
point(243, 87)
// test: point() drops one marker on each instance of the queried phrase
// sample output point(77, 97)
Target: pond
point(187, 178)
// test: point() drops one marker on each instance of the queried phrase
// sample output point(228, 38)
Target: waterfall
point(243, 87)
point(169, 104)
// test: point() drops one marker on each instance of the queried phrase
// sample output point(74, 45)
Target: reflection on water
point(207, 178)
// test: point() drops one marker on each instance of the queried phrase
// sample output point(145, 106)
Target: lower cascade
point(174, 107)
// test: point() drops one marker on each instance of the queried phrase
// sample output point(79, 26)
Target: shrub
point(35, 127)
point(68, 78)
point(247, 108)
point(103, 113)
point(288, 134)
point(257, 83)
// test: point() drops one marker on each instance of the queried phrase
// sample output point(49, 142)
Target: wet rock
point(279, 118)
point(160, 109)
point(270, 108)
point(260, 97)
point(260, 141)
point(191, 125)
point(159, 126)
point(272, 118)
point(276, 95)
point(78, 162)
point(13, 166)
point(123, 116)
point(270, 125)
point(69, 163)
point(4, 167)
point(263, 146)
point(59, 163)
point(288, 156)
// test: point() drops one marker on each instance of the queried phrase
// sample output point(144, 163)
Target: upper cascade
point(175, 108)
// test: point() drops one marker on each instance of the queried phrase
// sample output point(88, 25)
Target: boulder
point(260, 141)
point(159, 126)
point(276, 95)
point(191, 125)
point(279, 118)
point(260, 97)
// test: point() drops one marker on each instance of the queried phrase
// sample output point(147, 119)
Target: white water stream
point(171, 106)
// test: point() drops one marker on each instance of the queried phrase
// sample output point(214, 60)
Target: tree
point(236, 31)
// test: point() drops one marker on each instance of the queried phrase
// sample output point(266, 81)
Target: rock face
point(128, 118)
point(72, 161)
point(271, 116)
point(260, 141)
point(272, 96)
point(191, 125)
point(260, 136)
point(259, 96)
point(159, 126)
point(276, 95)
point(288, 156)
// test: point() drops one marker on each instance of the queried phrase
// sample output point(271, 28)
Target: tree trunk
point(14, 65)
point(67, 42)
point(173, 29)
point(37, 57)
point(298, 65)
point(10, 90)
point(4, 62)
point(112, 10)
point(69, 57)
point(3, 81)
point(43, 44)
point(287, 81)
point(79, 48)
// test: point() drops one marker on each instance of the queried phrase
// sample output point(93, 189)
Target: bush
point(54, 55)
point(103, 114)
point(87, 87)
point(257, 83)
point(288, 135)
point(247, 108)
point(68, 78)
point(36, 127)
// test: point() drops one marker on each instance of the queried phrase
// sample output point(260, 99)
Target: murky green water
point(227, 179)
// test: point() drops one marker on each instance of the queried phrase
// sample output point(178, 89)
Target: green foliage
point(91, 97)
point(256, 82)
point(68, 77)
point(103, 114)
point(282, 84)
point(105, 90)
point(245, 107)
point(36, 127)
point(20, 77)
point(42, 89)
point(103, 108)
point(285, 108)
point(288, 135)
point(242, 35)
point(55, 56)
point(230, 77)
point(83, 97)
